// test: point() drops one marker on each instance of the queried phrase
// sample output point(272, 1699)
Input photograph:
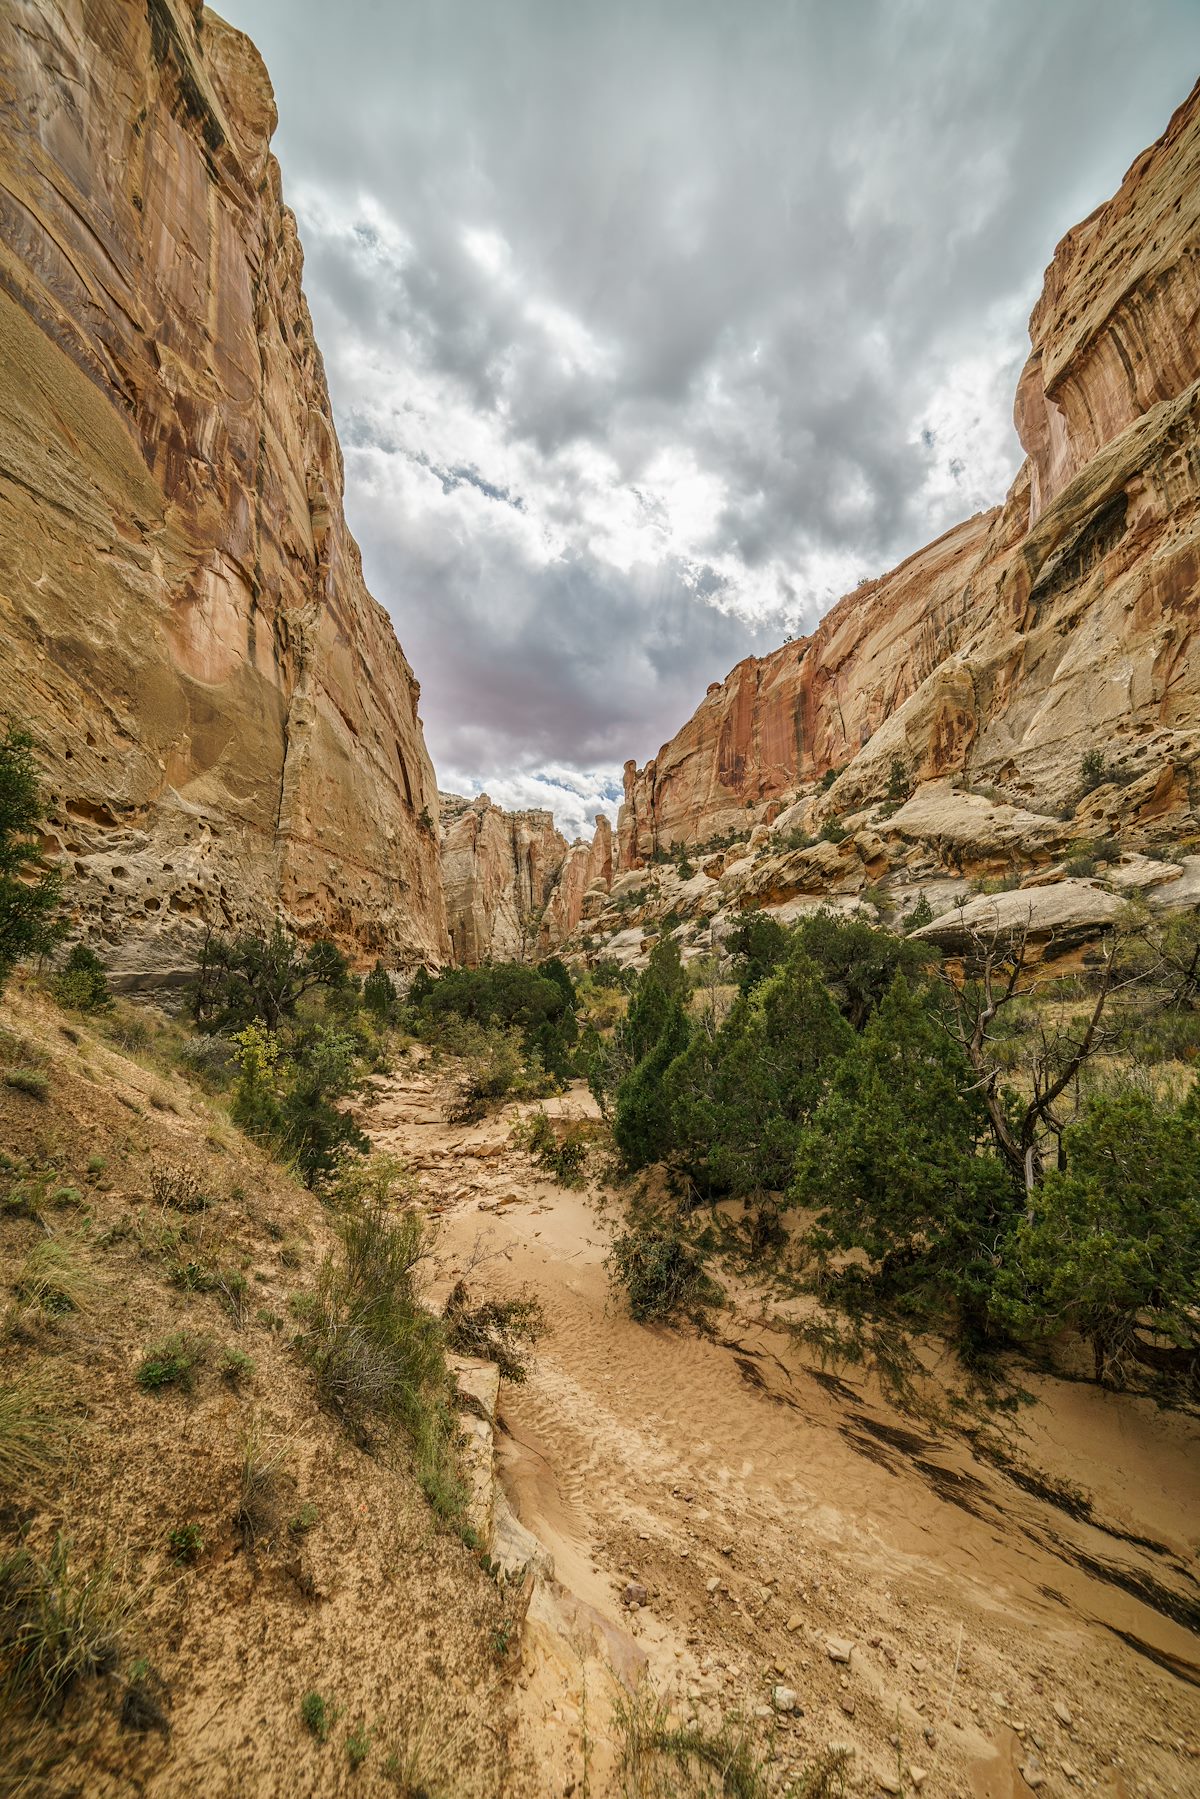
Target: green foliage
point(737, 1101)
point(537, 1002)
point(172, 1363)
point(29, 900)
point(830, 776)
point(1112, 1245)
point(318, 1715)
point(378, 994)
point(186, 1542)
point(1092, 772)
point(659, 1271)
point(921, 914)
point(31, 1425)
point(897, 1160)
point(285, 1094)
point(236, 1366)
point(565, 1156)
point(358, 1745)
point(83, 983)
point(52, 1278)
point(500, 1330)
point(756, 946)
point(899, 783)
point(858, 961)
point(262, 979)
point(494, 1068)
point(642, 1126)
point(834, 831)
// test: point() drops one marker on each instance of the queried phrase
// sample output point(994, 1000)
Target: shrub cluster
point(841, 1081)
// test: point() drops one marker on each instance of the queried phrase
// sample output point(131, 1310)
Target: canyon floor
point(982, 1605)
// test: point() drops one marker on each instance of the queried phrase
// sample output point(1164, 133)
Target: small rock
point(838, 1649)
point(710, 1586)
point(887, 1783)
point(785, 1699)
point(846, 1701)
point(918, 1776)
point(795, 1621)
point(634, 1593)
point(1062, 1712)
point(1033, 1773)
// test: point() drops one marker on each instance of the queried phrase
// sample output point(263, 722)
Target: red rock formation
point(514, 886)
point(586, 868)
point(229, 724)
point(1062, 622)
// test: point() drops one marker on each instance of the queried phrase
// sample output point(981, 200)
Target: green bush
point(756, 946)
point(660, 1272)
point(30, 1081)
point(859, 961)
point(186, 1542)
point(29, 901)
point(1111, 1245)
point(897, 1159)
point(318, 1715)
point(378, 994)
point(565, 1156)
point(172, 1364)
point(494, 1068)
point(261, 979)
point(538, 1002)
point(83, 983)
point(737, 1100)
point(58, 1623)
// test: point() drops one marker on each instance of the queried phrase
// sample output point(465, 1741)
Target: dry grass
point(662, 1758)
point(52, 1278)
point(58, 1623)
point(31, 1431)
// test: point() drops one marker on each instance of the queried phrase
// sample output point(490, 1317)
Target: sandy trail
point(768, 1509)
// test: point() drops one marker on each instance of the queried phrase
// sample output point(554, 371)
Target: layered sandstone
point(515, 888)
point(229, 726)
point(1062, 623)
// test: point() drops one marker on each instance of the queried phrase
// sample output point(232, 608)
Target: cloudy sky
point(652, 326)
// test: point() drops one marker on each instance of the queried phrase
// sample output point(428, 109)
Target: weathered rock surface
point(229, 726)
point(515, 888)
point(1063, 622)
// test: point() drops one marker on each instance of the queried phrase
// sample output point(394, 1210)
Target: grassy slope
point(375, 1607)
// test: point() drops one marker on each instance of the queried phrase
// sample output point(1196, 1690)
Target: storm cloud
point(651, 328)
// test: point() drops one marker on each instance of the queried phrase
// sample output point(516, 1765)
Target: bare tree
point(999, 973)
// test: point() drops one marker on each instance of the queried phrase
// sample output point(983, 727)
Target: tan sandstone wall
point(229, 726)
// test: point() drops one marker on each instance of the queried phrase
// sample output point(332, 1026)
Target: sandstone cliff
point(515, 888)
point(229, 725)
point(1064, 622)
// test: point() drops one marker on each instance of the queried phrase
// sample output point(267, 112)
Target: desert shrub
point(899, 782)
point(564, 1156)
point(376, 1352)
point(738, 1100)
point(172, 1363)
point(500, 1330)
point(661, 1757)
point(1111, 1244)
point(659, 1271)
point(1080, 867)
point(29, 900)
point(539, 1003)
point(259, 1485)
point(642, 1127)
point(494, 1068)
point(30, 1081)
point(83, 983)
point(318, 1715)
point(661, 991)
point(858, 961)
point(1092, 773)
point(236, 1366)
point(175, 1185)
point(261, 979)
point(756, 946)
point(919, 915)
point(358, 1745)
point(834, 831)
point(897, 1159)
point(286, 1094)
point(378, 994)
point(58, 1623)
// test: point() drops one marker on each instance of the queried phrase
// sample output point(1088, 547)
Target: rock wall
point(229, 726)
point(514, 886)
point(1064, 621)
